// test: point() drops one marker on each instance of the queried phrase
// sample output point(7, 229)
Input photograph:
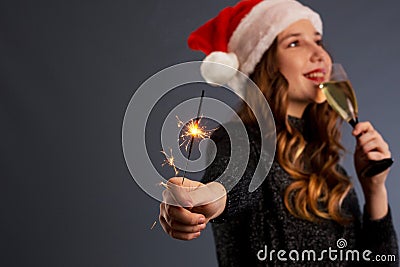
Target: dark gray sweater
point(256, 223)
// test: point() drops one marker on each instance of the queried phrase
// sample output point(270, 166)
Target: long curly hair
point(318, 187)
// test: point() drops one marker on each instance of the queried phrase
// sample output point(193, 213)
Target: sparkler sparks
point(170, 160)
point(166, 187)
point(154, 224)
point(192, 130)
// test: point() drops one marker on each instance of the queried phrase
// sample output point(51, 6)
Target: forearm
point(376, 202)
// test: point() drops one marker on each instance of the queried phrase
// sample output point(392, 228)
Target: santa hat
point(239, 36)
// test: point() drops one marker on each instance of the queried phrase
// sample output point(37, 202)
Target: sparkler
point(194, 131)
point(191, 130)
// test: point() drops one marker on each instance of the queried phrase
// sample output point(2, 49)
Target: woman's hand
point(188, 207)
point(371, 146)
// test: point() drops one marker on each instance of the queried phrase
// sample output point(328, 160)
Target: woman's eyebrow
point(289, 36)
point(295, 35)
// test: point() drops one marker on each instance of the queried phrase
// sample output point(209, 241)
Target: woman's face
point(304, 63)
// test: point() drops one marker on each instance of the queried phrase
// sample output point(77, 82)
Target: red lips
point(317, 75)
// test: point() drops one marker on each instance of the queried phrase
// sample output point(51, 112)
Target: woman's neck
point(296, 110)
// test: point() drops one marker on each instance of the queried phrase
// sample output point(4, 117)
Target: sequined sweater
point(256, 229)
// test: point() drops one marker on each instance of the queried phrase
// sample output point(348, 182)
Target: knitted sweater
point(256, 229)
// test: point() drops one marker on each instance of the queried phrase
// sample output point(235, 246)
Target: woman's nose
point(318, 54)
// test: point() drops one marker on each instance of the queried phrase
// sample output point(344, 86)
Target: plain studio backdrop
point(67, 72)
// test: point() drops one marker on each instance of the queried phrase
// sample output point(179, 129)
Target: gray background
point(67, 72)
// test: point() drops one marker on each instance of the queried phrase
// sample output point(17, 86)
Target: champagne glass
point(341, 97)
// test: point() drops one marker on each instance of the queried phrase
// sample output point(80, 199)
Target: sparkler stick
point(193, 135)
point(193, 130)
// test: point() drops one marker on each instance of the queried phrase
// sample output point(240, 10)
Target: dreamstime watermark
point(338, 253)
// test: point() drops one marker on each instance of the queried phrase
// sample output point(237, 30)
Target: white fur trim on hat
point(258, 29)
point(221, 73)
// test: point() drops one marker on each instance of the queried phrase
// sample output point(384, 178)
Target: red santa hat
point(239, 36)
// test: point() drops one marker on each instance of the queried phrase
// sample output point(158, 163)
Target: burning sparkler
point(194, 130)
point(191, 131)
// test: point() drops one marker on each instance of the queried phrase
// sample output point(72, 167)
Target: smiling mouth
point(317, 76)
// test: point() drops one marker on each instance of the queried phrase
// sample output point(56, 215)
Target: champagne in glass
point(341, 97)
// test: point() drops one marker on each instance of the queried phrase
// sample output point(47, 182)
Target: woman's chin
point(319, 99)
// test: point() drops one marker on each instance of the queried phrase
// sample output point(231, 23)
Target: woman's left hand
point(370, 146)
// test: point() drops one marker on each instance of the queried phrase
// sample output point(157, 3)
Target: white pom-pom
point(222, 73)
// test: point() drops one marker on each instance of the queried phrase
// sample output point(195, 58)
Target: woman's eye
point(319, 42)
point(293, 44)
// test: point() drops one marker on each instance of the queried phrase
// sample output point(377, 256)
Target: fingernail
point(202, 226)
point(202, 220)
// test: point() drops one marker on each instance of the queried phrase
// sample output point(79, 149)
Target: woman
point(307, 202)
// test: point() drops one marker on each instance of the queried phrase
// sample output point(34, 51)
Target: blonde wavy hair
point(318, 187)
